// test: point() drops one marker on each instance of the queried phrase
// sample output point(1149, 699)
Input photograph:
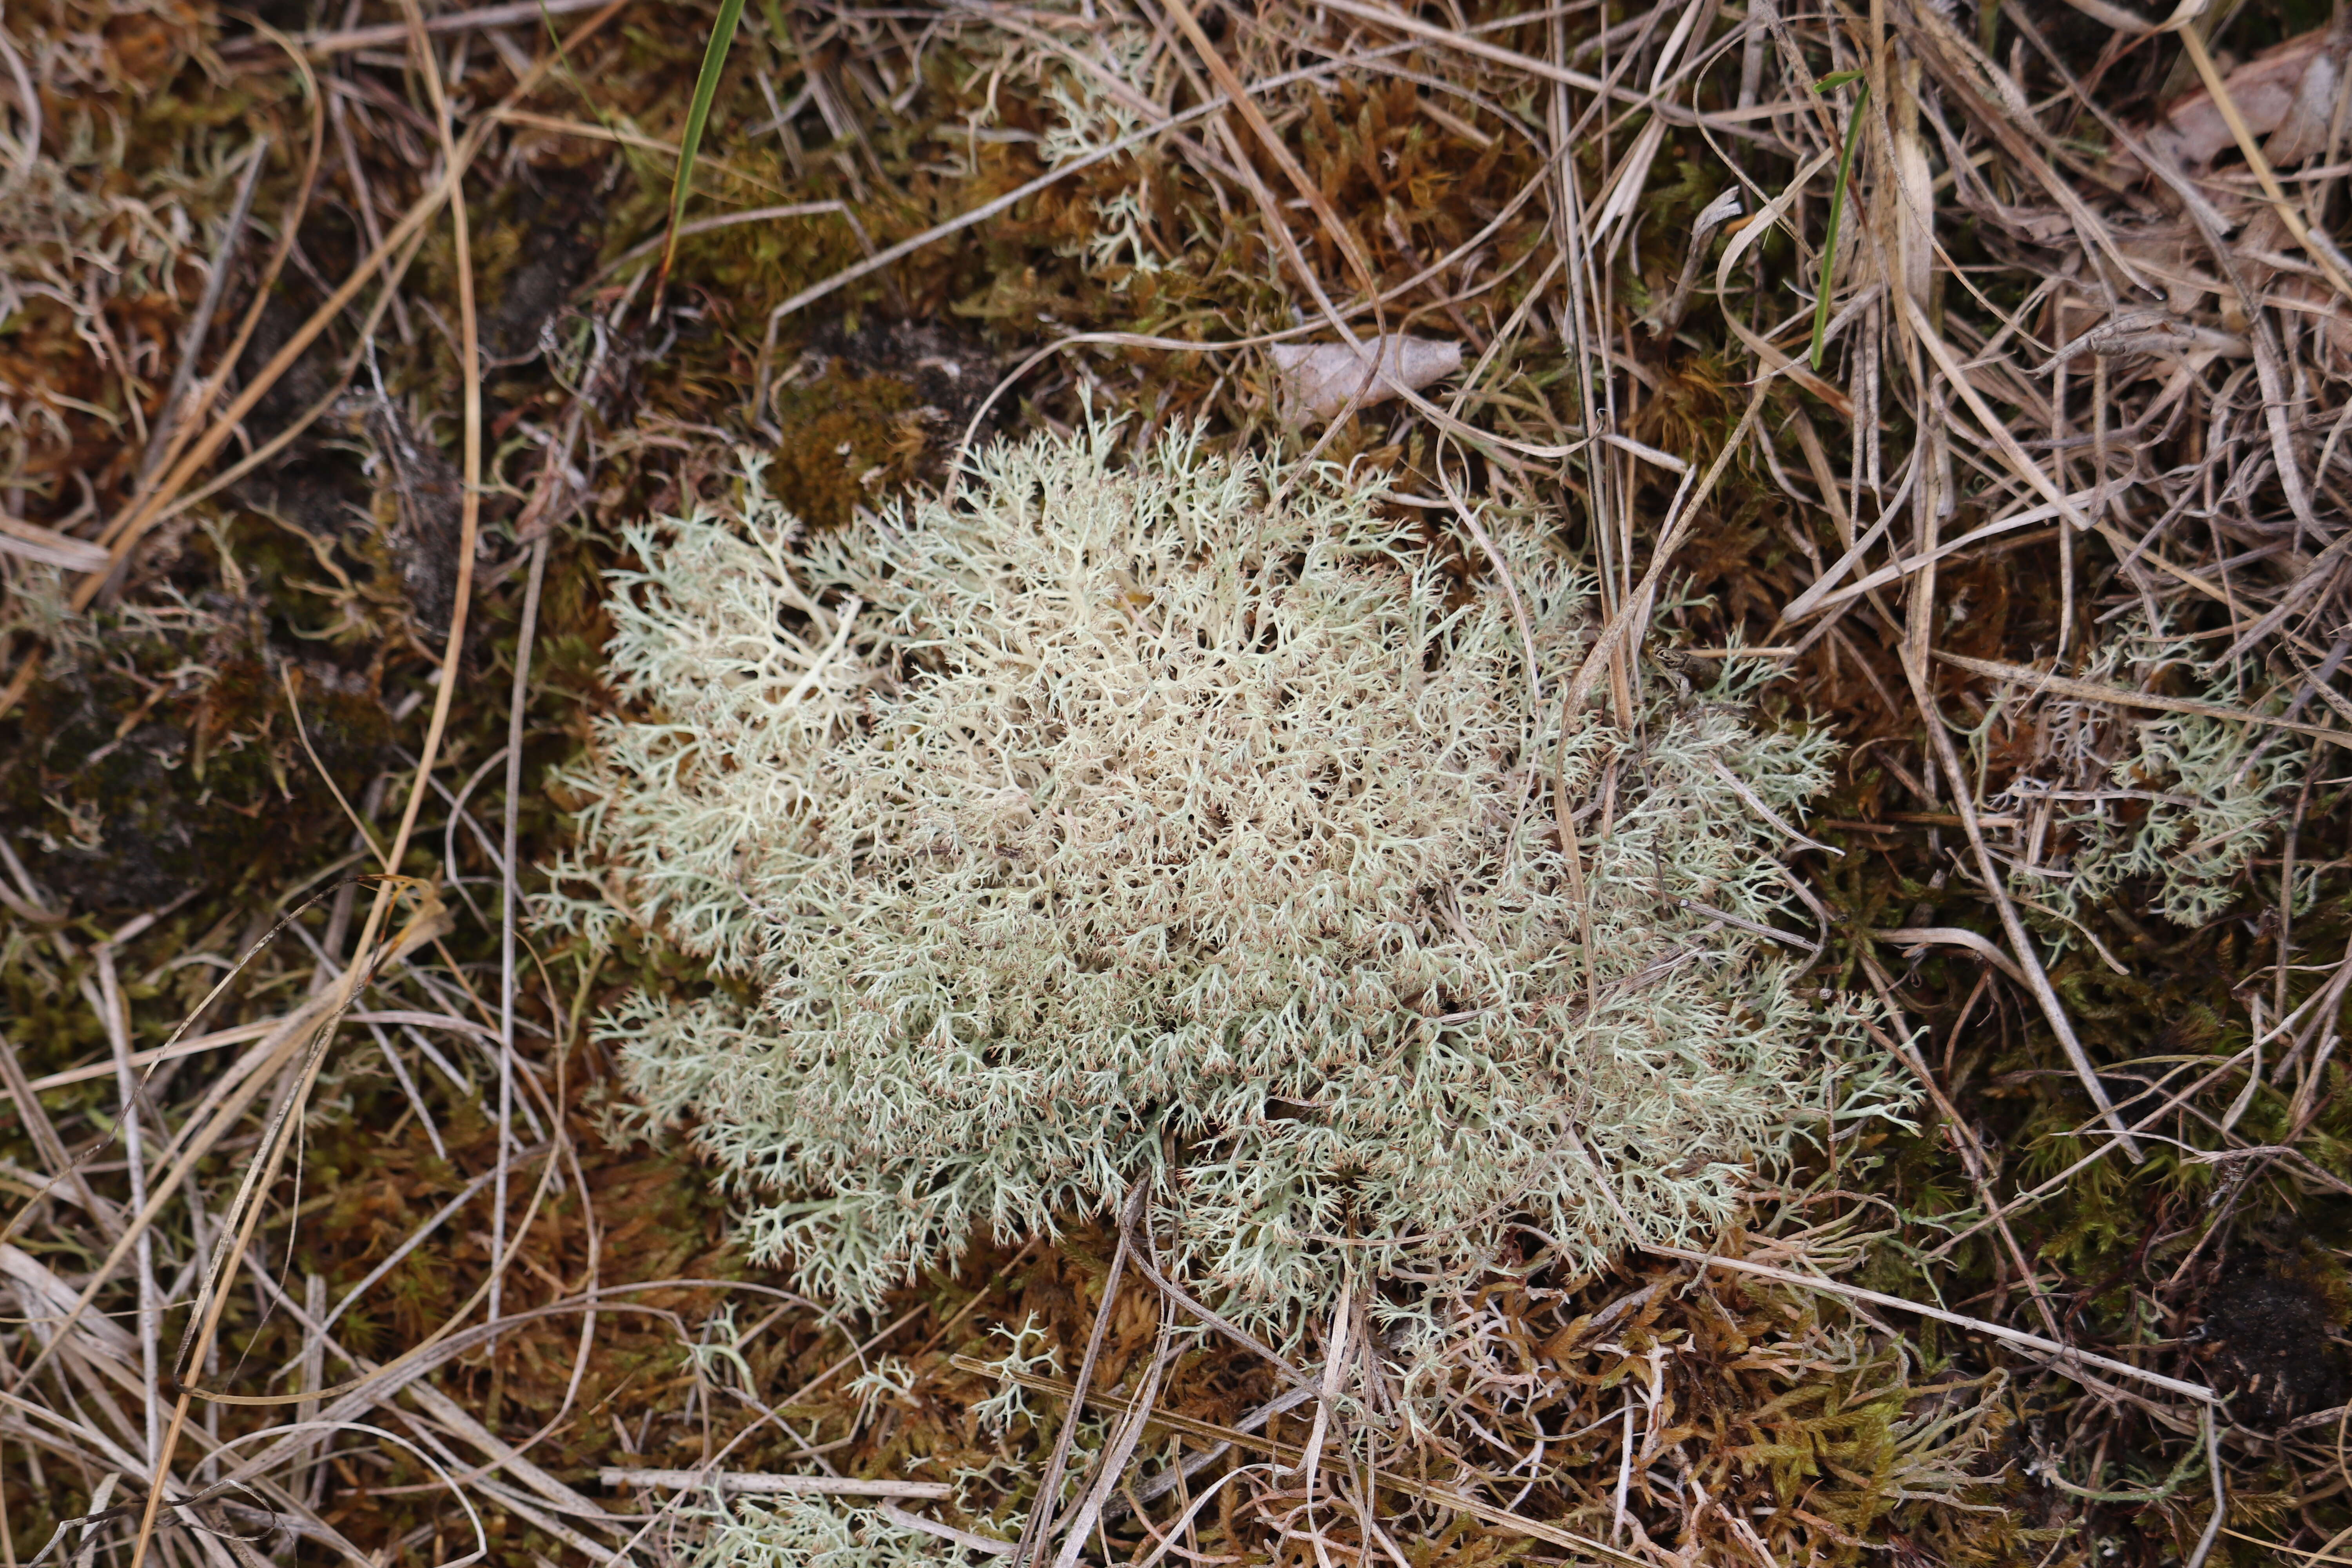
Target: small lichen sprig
point(1184, 820)
point(807, 1532)
point(2176, 803)
point(1009, 1403)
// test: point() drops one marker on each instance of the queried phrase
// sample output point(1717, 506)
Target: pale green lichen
point(1188, 821)
point(1010, 1403)
point(2177, 803)
point(807, 1532)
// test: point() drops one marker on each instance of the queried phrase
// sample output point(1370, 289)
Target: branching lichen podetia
point(1183, 818)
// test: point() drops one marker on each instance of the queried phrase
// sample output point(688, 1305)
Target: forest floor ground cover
point(1975, 375)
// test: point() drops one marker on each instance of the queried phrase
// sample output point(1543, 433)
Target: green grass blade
point(697, 115)
point(1837, 211)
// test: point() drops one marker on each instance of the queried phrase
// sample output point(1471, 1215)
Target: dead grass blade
point(2096, 691)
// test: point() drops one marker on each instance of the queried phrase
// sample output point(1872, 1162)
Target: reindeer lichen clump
point(2174, 808)
point(1186, 820)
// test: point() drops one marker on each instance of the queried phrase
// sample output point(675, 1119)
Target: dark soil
point(556, 212)
point(130, 787)
point(427, 506)
point(2272, 1352)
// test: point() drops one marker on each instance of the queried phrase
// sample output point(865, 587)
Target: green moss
point(845, 437)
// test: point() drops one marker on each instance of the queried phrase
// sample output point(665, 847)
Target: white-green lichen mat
point(1183, 818)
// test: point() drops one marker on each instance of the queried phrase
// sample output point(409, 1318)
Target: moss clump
point(867, 412)
point(1184, 821)
point(846, 436)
